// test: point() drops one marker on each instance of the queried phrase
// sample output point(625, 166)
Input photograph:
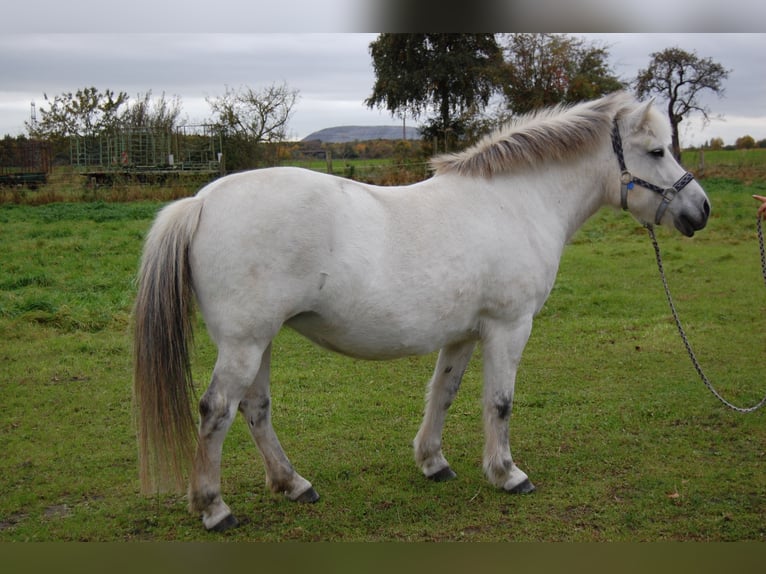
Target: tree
point(148, 112)
point(716, 144)
point(87, 112)
point(547, 69)
point(745, 142)
point(250, 117)
point(678, 77)
point(259, 116)
point(445, 74)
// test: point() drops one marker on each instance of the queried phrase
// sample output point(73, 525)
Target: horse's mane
point(559, 132)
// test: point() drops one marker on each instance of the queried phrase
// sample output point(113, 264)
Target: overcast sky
point(331, 71)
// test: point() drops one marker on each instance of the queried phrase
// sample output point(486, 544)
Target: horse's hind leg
point(256, 408)
point(442, 389)
point(234, 372)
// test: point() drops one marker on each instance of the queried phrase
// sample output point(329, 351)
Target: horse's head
point(654, 187)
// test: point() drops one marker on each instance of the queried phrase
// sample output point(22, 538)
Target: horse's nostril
point(706, 208)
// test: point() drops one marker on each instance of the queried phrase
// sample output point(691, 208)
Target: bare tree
point(678, 77)
point(249, 118)
point(149, 112)
point(259, 116)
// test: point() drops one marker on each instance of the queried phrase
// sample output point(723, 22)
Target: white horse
point(468, 256)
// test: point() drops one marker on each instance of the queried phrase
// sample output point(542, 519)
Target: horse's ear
point(647, 108)
point(640, 115)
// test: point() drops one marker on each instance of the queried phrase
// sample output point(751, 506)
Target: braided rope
point(681, 331)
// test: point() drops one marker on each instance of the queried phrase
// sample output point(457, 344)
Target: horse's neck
point(566, 195)
point(579, 190)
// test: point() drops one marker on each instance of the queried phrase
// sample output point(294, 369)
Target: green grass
point(610, 420)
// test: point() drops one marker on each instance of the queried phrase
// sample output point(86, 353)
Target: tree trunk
point(675, 119)
point(675, 141)
point(445, 117)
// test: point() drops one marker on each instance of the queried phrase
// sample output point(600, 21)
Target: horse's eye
point(659, 152)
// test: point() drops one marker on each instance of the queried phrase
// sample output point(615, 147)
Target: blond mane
point(558, 133)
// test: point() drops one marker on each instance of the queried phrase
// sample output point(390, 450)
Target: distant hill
point(342, 134)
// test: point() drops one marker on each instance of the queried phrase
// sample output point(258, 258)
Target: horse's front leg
point(502, 346)
point(442, 389)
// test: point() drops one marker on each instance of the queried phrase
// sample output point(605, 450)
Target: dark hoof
point(443, 475)
point(309, 496)
point(226, 524)
point(525, 487)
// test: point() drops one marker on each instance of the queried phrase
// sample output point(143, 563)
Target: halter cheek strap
point(628, 181)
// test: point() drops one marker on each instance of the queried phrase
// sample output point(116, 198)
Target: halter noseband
point(628, 181)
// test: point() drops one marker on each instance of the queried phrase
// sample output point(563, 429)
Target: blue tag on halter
point(630, 185)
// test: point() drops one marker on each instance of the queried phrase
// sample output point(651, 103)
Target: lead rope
point(681, 331)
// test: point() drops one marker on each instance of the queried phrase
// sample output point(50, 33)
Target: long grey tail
point(162, 383)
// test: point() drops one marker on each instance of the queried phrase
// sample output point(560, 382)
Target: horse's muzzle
point(689, 224)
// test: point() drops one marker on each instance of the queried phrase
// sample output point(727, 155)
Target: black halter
point(628, 180)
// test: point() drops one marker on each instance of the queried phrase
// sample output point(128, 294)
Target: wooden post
point(328, 157)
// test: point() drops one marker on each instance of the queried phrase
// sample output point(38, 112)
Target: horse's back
point(286, 218)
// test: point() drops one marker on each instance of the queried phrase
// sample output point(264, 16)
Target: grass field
point(746, 165)
point(610, 420)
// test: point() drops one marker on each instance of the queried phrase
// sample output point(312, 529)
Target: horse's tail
point(162, 384)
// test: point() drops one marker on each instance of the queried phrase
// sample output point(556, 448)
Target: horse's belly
point(375, 341)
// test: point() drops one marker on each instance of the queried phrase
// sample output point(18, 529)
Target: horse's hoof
point(524, 487)
point(225, 524)
point(310, 496)
point(443, 475)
